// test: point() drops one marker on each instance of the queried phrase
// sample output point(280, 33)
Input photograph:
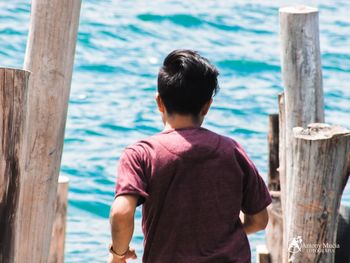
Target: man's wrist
point(118, 255)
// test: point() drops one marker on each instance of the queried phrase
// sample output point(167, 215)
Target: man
point(192, 182)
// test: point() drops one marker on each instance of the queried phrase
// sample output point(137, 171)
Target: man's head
point(186, 84)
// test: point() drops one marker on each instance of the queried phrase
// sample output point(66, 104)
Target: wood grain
point(274, 230)
point(49, 56)
point(320, 153)
point(282, 176)
point(13, 106)
point(59, 225)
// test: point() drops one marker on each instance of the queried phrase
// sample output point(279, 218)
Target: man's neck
point(177, 121)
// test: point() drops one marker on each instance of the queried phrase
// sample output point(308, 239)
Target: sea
point(120, 48)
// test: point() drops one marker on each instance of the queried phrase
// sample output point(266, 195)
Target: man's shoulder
point(143, 145)
point(229, 141)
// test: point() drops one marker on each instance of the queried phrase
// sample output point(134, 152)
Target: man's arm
point(256, 222)
point(122, 226)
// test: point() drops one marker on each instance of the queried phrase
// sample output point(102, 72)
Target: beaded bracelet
point(121, 256)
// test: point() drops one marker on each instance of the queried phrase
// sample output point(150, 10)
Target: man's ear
point(206, 107)
point(160, 103)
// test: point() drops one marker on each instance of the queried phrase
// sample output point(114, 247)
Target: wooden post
point(320, 153)
point(59, 224)
point(301, 66)
point(274, 229)
point(343, 235)
point(49, 55)
point(273, 176)
point(13, 107)
point(302, 80)
point(262, 254)
point(282, 147)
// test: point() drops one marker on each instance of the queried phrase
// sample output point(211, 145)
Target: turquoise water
point(120, 47)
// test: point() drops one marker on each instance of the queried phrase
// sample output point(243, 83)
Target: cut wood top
point(15, 69)
point(319, 131)
point(299, 9)
point(62, 179)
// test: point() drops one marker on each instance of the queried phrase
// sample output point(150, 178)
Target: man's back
point(192, 183)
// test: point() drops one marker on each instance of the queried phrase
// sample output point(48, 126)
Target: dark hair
point(186, 81)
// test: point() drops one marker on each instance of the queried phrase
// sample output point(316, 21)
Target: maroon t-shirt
point(192, 183)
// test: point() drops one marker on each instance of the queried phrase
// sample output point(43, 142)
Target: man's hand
point(131, 254)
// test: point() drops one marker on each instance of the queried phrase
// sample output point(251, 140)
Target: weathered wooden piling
point(13, 107)
point(59, 224)
point(262, 254)
point(282, 148)
point(273, 160)
point(303, 93)
point(343, 234)
point(49, 56)
point(274, 229)
point(320, 154)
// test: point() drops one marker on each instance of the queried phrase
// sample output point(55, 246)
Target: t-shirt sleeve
point(131, 178)
point(256, 195)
